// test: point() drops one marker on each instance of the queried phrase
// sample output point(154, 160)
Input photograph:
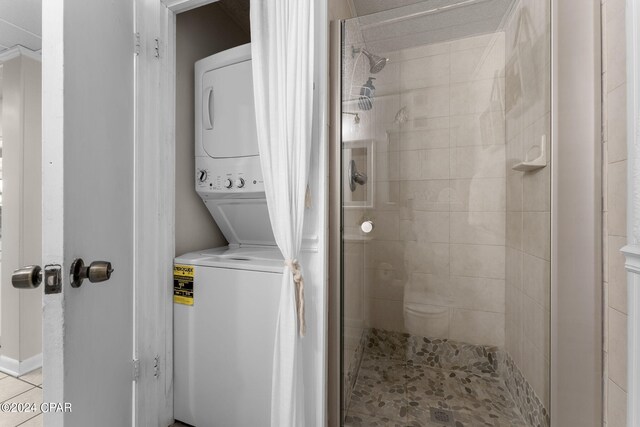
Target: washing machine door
point(228, 122)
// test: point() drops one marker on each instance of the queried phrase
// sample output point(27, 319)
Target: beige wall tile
point(616, 406)
point(424, 139)
point(479, 63)
point(425, 50)
point(378, 252)
point(618, 348)
point(536, 370)
point(428, 103)
point(477, 327)
point(387, 314)
point(478, 162)
point(429, 289)
point(474, 42)
point(424, 164)
point(476, 293)
point(616, 44)
point(387, 195)
point(478, 261)
point(476, 96)
point(385, 283)
point(430, 258)
point(536, 190)
point(387, 225)
point(428, 195)
point(617, 124)
point(536, 279)
point(617, 195)
point(536, 234)
point(535, 325)
point(476, 129)
point(481, 228)
point(427, 71)
point(514, 230)
point(514, 192)
point(387, 167)
point(426, 227)
point(514, 268)
point(513, 324)
point(478, 195)
point(617, 274)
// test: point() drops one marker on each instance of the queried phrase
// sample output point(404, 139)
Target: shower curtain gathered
point(282, 54)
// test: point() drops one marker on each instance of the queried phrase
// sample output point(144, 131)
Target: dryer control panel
point(228, 176)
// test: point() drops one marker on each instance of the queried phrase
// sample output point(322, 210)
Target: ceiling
point(401, 24)
point(367, 7)
point(21, 24)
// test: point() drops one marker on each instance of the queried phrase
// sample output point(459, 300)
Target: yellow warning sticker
point(183, 276)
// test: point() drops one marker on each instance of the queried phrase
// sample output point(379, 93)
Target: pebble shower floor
point(413, 381)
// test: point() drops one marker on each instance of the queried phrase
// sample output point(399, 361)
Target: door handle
point(207, 117)
point(30, 277)
point(97, 271)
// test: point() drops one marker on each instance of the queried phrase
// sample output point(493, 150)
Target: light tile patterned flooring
point(26, 389)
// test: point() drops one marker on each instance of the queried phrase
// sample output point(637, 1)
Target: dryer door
point(228, 122)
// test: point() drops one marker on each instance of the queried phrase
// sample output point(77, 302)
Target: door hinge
point(156, 47)
point(156, 366)
point(136, 369)
point(136, 44)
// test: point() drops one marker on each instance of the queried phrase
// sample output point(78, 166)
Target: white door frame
point(155, 24)
point(155, 214)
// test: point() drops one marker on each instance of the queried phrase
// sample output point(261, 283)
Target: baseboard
point(15, 368)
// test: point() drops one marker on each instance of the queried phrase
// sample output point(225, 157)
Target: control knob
point(202, 175)
point(240, 182)
point(228, 183)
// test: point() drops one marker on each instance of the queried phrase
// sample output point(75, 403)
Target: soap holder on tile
point(537, 163)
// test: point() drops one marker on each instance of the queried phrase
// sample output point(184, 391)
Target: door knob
point(97, 271)
point(30, 277)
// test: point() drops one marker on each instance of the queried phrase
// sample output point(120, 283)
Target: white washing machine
point(223, 343)
point(226, 299)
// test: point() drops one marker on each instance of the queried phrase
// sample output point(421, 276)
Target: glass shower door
point(446, 214)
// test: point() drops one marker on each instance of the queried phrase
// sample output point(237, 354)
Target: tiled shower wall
point(438, 247)
point(614, 135)
point(528, 234)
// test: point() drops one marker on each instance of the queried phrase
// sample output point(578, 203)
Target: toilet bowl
point(426, 320)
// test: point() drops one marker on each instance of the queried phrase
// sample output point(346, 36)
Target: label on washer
point(183, 276)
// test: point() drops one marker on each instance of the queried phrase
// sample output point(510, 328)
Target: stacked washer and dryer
point(224, 341)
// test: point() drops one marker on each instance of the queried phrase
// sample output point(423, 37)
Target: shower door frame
point(576, 345)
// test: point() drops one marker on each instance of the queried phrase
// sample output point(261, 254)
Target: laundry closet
point(228, 268)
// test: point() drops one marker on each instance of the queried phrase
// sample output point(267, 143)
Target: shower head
point(376, 63)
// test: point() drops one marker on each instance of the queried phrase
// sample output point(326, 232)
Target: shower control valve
point(228, 183)
point(240, 182)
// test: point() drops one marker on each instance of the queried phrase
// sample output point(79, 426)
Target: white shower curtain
point(282, 53)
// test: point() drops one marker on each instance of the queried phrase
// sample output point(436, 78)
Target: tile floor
point(25, 389)
point(407, 388)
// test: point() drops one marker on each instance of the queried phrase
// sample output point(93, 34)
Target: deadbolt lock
point(97, 271)
point(31, 276)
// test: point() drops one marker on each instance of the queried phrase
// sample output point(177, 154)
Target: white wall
point(21, 310)
point(200, 33)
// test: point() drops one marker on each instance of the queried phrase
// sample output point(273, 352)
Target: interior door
point(88, 208)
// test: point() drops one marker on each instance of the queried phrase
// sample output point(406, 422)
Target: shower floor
point(413, 381)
